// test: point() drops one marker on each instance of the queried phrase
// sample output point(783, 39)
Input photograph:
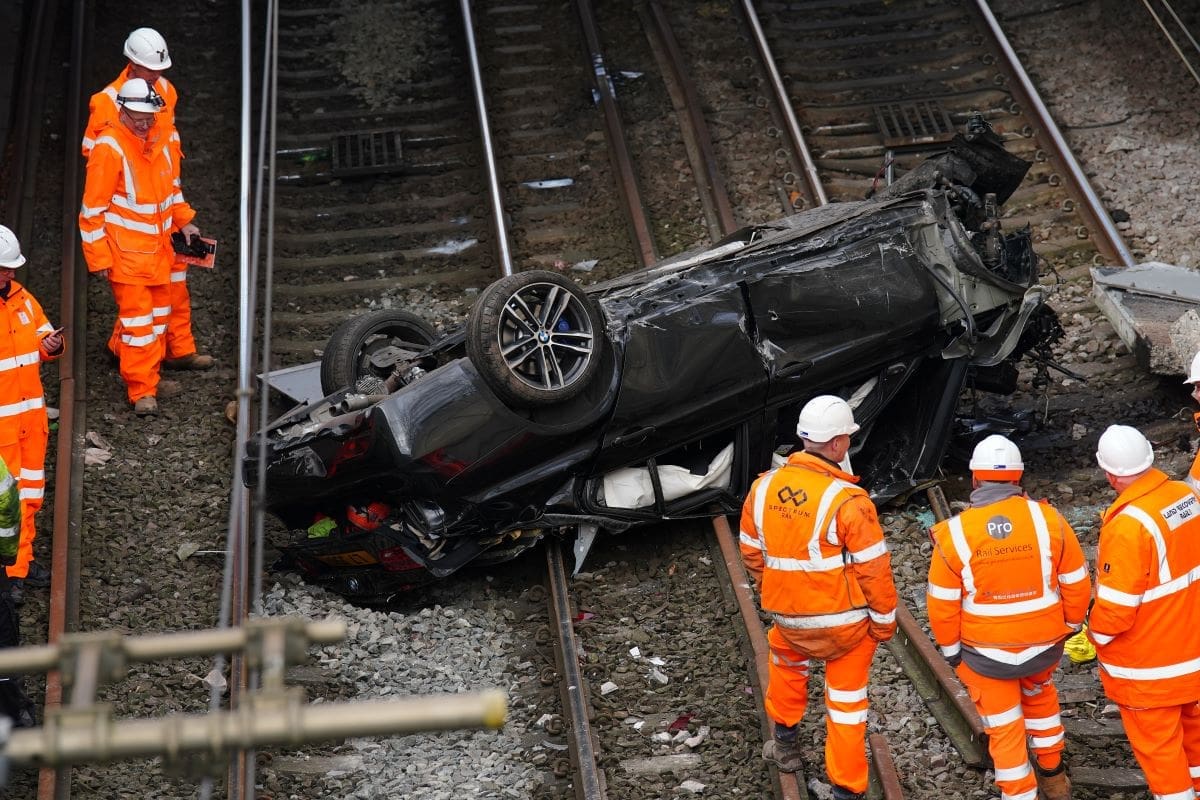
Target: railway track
point(411, 227)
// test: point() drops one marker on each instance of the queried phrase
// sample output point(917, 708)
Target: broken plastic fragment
point(680, 723)
point(608, 687)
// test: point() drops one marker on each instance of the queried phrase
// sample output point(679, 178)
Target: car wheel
point(354, 349)
point(536, 337)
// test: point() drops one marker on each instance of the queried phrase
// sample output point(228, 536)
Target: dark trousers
point(14, 703)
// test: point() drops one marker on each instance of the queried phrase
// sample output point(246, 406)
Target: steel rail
point(696, 137)
point(618, 148)
point(795, 136)
point(18, 211)
point(1110, 241)
point(790, 786)
point(503, 247)
point(1174, 44)
point(590, 782)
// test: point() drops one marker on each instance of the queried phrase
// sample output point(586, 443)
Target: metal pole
point(489, 156)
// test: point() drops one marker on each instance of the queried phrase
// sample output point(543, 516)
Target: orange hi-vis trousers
point(139, 337)
point(25, 458)
point(845, 704)
point(1166, 742)
point(1019, 715)
point(180, 341)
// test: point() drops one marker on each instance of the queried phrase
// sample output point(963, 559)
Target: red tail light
point(394, 559)
point(348, 451)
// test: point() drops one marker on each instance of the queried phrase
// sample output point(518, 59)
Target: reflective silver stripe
point(1116, 596)
point(826, 516)
point(141, 208)
point(1003, 718)
point(1074, 576)
point(87, 143)
point(1103, 638)
point(7, 483)
point(12, 409)
point(1049, 596)
point(138, 341)
point(882, 619)
point(1007, 657)
point(1153, 673)
point(1148, 522)
point(820, 620)
point(23, 360)
point(797, 565)
point(32, 494)
point(33, 474)
point(845, 696)
point(87, 212)
point(162, 311)
point(47, 328)
point(749, 540)
point(9, 533)
point(1030, 795)
point(1042, 723)
point(944, 592)
point(799, 665)
point(1172, 586)
point(130, 189)
point(867, 553)
point(1186, 794)
point(92, 236)
point(951, 650)
point(1045, 741)
point(1013, 773)
point(160, 329)
point(1194, 771)
point(133, 322)
point(1192, 482)
point(111, 91)
point(847, 717)
point(178, 276)
point(760, 500)
point(114, 218)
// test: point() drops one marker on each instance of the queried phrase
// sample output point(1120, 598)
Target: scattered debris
point(608, 687)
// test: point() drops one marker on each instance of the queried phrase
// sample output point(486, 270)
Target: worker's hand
point(189, 231)
point(954, 660)
point(52, 343)
point(103, 273)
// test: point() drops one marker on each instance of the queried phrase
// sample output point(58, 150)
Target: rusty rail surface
point(589, 783)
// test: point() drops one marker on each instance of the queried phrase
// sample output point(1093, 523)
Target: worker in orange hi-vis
point(148, 58)
point(26, 340)
point(1143, 620)
point(131, 205)
point(811, 540)
point(1192, 479)
point(1007, 586)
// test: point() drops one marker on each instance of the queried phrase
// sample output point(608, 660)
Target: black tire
point(347, 356)
point(536, 337)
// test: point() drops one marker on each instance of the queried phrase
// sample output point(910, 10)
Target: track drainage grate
point(372, 153)
point(911, 125)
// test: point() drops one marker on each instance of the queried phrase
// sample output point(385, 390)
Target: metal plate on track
point(367, 153)
point(1155, 309)
point(913, 124)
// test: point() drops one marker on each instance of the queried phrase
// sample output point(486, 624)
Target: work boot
point(786, 757)
point(38, 576)
point(169, 389)
point(192, 361)
point(842, 793)
point(1053, 784)
point(145, 406)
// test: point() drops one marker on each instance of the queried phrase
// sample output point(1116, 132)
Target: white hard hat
point(825, 417)
point(1194, 372)
point(1123, 451)
point(136, 95)
point(10, 249)
point(146, 47)
point(996, 459)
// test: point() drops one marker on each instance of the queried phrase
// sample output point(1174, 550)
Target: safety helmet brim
point(13, 263)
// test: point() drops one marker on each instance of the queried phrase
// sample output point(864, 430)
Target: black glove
point(955, 659)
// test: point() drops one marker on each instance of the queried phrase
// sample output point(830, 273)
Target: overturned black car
point(663, 393)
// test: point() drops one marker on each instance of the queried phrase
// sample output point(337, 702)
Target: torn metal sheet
point(1155, 309)
point(300, 384)
point(661, 394)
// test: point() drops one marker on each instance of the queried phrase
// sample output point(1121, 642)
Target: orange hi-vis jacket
point(811, 539)
point(131, 203)
point(103, 111)
point(23, 325)
point(1147, 594)
point(1007, 579)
